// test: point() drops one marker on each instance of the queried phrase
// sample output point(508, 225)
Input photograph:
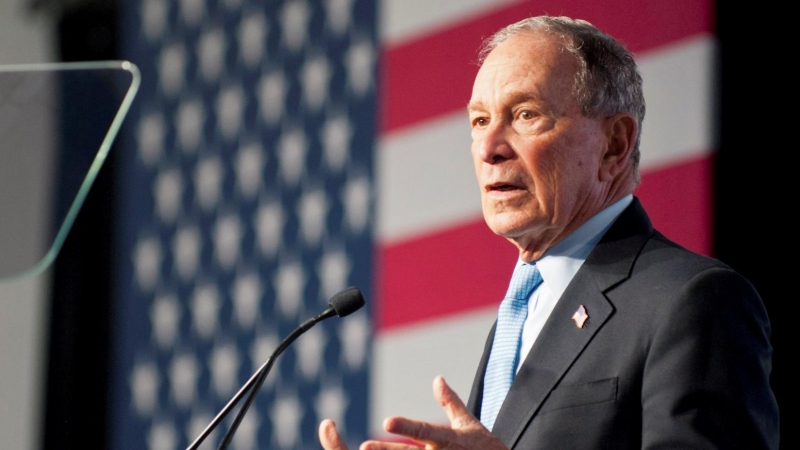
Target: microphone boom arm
point(262, 373)
point(342, 304)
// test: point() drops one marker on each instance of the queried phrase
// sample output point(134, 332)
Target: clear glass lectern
point(39, 199)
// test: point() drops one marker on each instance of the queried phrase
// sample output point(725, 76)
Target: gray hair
point(607, 81)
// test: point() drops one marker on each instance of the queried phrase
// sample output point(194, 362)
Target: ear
point(621, 133)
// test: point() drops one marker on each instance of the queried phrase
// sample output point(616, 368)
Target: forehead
point(529, 65)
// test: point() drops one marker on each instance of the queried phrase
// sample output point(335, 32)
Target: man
point(627, 339)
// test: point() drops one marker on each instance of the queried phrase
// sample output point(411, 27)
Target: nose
point(491, 145)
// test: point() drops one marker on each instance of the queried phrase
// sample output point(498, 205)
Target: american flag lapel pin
point(580, 317)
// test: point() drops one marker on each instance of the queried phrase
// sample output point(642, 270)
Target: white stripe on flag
point(402, 20)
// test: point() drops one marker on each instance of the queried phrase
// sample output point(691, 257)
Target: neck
point(532, 248)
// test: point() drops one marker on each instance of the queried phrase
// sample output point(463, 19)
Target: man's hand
point(464, 431)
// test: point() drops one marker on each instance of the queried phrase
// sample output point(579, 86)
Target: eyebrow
point(474, 106)
point(512, 99)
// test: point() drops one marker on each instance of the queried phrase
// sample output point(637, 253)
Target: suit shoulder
point(662, 257)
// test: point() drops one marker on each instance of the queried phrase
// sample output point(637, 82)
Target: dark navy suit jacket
point(675, 354)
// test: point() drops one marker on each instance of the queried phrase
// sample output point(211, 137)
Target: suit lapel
point(561, 341)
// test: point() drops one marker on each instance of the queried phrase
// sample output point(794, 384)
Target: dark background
point(751, 165)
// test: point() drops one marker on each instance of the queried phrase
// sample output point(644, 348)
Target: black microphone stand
point(342, 304)
point(226, 440)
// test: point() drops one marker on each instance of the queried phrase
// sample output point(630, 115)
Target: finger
point(376, 445)
point(455, 409)
point(329, 436)
point(423, 432)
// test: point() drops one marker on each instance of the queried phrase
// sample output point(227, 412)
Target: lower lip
point(506, 193)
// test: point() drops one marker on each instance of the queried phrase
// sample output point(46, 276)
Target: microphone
point(347, 301)
point(341, 304)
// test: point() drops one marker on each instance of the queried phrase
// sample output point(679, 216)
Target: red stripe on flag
point(468, 267)
point(451, 271)
point(433, 75)
point(679, 200)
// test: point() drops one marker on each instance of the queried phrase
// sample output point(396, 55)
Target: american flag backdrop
point(279, 151)
point(249, 181)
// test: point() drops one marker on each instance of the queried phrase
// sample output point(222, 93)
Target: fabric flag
point(248, 198)
point(267, 167)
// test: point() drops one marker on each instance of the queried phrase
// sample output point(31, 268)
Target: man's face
point(536, 156)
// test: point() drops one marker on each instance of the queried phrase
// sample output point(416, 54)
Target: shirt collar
point(559, 264)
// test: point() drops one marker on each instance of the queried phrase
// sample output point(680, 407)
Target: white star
point(294, 20)
point(165, 315)
point(151, 138)
point(197, 424)
point(356, 199)
point(224, 365)
point(192, 11)
point(183, 374)
point(168, 191)
point(336, 135)
point(331, 404)
point(147, 260)
point(269, 227)
point(144, 387)
point(312, 210)
point(315, 75)
point(292, 155)
point(154, 18)
point(189, 124)
point(230, 105)
point(205, 305)
point(171, 65)
point(211, 53)
point(286, 413)
point(353, 334)
point(333, 269)
point(246, 296)
point(338, 13)
point(310, 347)
point(249, 163)
point(261, 350)
point(289, 281)
point(360, 60)
point(162, 436)
point(207, 182)
point(246, 435)
point(271, 94)
point(252, 35)
point(227, 237)
point(186, 248)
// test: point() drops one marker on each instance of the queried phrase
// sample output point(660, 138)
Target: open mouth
point(502, 187)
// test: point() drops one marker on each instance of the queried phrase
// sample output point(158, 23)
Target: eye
point(479, 122)
point(526, 114)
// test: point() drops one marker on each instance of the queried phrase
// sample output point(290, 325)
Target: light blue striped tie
point(504, 358)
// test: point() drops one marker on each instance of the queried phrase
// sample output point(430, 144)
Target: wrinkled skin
point(543, 167)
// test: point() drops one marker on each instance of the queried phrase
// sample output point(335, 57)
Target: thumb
point(329, 437)
point(453, 406)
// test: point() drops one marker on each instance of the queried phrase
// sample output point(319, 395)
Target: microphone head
point(347, 301)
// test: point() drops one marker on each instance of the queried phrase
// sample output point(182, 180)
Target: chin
point(508, 225)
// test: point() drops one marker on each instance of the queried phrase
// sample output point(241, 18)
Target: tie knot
point(524, 280)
